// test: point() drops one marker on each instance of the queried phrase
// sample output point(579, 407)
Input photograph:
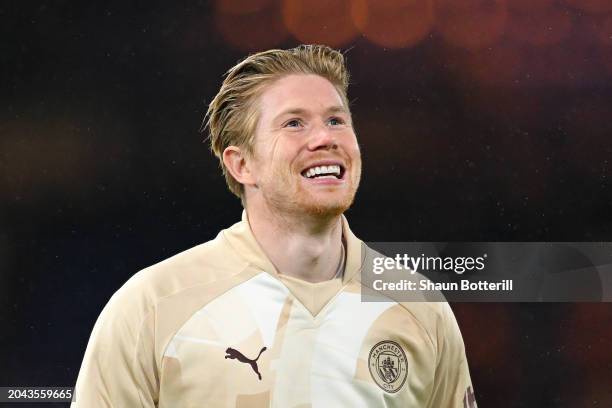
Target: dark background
point(478, 120)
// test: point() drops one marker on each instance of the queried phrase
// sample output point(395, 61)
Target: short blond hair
point(232, 115)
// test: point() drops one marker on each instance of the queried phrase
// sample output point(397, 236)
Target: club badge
point(388, 366)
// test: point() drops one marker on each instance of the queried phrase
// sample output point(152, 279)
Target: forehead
point(299, 91)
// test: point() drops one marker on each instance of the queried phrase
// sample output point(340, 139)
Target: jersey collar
point(241, 239)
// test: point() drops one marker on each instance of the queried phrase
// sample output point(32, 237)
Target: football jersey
point(218, 326)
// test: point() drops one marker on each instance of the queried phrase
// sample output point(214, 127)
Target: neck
point(303, 247)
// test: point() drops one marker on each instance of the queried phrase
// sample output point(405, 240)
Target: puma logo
point(236, 355)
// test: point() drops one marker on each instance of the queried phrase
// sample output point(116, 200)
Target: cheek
point(275, 165)
point(275, 147)
point(286, 152)
point(352, 148)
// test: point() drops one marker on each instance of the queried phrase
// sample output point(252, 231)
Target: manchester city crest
point(388, 366)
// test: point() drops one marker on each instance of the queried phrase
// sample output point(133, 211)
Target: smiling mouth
point(332, 171)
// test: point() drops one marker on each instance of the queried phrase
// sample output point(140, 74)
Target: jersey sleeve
point(119, 368)
point(452, 383)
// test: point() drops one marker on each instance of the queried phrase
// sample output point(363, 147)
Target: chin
point(332, 208)
point(325, 211)
point(303, 203)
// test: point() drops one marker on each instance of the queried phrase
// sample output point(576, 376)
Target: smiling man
point(269, 313)
point(297, 174)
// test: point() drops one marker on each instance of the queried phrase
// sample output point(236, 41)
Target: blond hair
point(232, 115)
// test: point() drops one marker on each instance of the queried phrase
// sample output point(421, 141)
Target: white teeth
point(328, 171)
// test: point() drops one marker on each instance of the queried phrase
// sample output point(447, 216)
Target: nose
point(322, 138)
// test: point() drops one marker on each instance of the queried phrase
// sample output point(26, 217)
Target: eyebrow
point(300, 111)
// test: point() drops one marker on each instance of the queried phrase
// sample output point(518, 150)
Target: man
point(269, 313)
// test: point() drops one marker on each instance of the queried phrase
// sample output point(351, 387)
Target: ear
point(235, 161)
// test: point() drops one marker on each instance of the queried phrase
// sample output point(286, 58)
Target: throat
point(299, 251)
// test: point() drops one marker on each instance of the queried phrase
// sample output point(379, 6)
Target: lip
point(325, 182)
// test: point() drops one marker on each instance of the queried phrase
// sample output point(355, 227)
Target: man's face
point(306, 159)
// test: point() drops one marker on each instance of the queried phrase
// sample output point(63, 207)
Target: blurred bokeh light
point(255, 27)
point(320, 21)
point(472, 24)
point(394, 23)
point(518, 42)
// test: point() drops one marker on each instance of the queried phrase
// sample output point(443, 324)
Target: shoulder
point(201, 265)
point(124, 352)
point(435, 317)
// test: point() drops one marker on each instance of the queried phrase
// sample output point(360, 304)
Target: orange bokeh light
point(471, 24)
point(394, 23)
point(255, 31)
point(319, 21)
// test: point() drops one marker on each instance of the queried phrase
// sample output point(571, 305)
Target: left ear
point(235, 160)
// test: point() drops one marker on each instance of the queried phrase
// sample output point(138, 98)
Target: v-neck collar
point(314, 296)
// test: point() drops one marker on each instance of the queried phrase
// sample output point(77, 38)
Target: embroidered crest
point(388, 366)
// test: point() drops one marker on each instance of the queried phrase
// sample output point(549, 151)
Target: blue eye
point(335, 121)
